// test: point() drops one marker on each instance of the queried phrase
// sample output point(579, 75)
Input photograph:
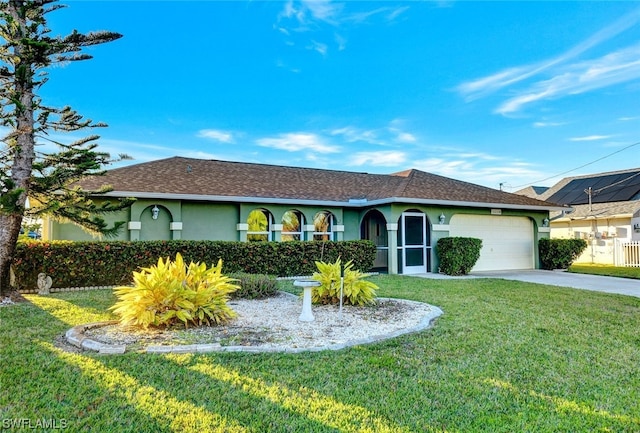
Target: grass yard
point(608, 270)
point(505, 357)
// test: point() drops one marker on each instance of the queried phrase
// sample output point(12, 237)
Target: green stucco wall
point(351, 219)
point(69, 231)
point(219, 221)
point(208, 221)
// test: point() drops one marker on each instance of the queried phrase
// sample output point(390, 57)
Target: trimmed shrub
point(171, 292)
point(559, 253)
point(356, 290)
point(113, 262)
point(458, 255)
point(254, 286)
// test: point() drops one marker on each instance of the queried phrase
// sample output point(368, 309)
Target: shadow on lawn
point(40, 385)
point(259, 404)
point(157, 393)
point(424, 382)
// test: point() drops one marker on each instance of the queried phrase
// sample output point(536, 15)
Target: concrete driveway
point(622, 286)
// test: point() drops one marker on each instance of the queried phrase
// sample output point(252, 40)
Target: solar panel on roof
point(604, 189)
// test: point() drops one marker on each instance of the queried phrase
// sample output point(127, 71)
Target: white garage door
point(507, 242)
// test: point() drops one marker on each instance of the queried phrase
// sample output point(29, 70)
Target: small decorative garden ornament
point(44, 284)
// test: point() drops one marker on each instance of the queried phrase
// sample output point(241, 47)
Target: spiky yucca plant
point(171, 292)
point(356, 290)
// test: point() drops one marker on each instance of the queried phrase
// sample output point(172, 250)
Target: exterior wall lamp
point(154, 212)
point(442, 218)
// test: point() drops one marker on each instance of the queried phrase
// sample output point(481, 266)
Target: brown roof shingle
point(214, 178)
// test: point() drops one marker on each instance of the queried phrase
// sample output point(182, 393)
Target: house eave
point(459, 203)
point(347, 204)
point(594, 217)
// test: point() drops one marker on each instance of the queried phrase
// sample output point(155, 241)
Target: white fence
point(627, 253)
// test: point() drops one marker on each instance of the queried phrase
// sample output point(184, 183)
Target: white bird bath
point(307, 286)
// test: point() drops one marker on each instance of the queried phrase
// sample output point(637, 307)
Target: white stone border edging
point(75, 336)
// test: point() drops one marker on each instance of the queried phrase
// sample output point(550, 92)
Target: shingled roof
point(214, 180)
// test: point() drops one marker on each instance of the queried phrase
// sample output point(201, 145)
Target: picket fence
point(627, 253)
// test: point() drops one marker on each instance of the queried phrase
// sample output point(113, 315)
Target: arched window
point(260, 222)
point(292, 222)
point(323, 223)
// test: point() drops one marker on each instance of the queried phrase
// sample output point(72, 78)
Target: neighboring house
point(606, 213)
point(404, 213)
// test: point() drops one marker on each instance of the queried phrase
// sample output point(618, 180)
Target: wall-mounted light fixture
point(442, 218)
point(154, 212)
point(545, 222)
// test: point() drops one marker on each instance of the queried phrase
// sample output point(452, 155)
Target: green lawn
point(505, 357)
point(611, 271)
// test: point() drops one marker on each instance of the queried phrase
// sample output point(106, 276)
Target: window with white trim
point(260, 222)
point(292, 223)
point(323, 223)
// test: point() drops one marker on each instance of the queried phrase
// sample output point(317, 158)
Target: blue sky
point(511, 93)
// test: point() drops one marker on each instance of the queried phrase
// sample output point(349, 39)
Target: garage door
point(507, 242)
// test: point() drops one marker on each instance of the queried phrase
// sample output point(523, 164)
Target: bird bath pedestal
point(307, 285)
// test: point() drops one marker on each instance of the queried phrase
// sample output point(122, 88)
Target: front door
point(414, 243)
point(374, 228)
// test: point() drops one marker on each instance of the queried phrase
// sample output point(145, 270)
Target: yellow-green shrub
point(170, 292)
point(356, 290)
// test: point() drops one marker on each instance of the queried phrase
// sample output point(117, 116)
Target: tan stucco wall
point(599, 234)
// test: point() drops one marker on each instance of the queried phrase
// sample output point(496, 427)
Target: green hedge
point(559, 253)
point(458, 255)
point(254, 286)
point(80, 264)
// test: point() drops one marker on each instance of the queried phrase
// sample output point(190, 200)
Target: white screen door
point(414, 243)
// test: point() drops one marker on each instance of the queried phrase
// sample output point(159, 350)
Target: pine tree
point(26, 51)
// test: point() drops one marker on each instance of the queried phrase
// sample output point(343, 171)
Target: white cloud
point(475, 155)
point(138, 151)
point(352, 134)
point(614, 68)
point(341, 41)
point(473, 171)
point(395, 13)
point(384, 136)
point(389, 13)
point(564, 78)
point(281, 64)
point(217, 135)
point(590, 138)
point(307, 11)
point(387, 158)
point(443, 166)
point(319, 47)
point(482, 86)
point(405, 137)
point(298, 141)
point(629, 118)
point(199, 155)
point(547, 124)
point(401, 136)
point(324, 10)
point(290, 11)
point(304, 16)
